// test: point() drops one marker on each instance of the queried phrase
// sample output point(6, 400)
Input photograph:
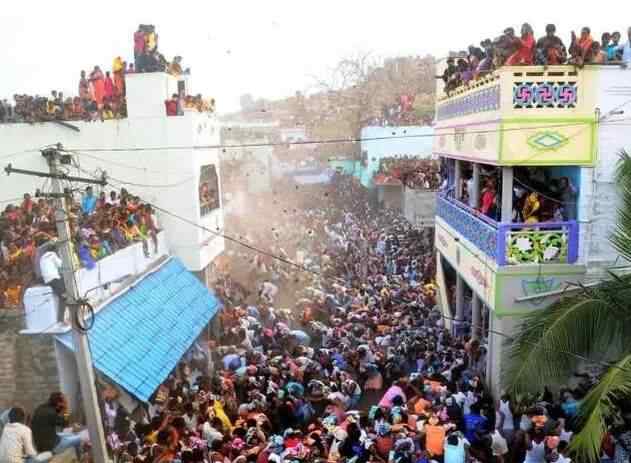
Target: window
point(208, 190)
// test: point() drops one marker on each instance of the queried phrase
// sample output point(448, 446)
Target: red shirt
point(139, 41)
point(488, 198)
point(27, 205)
point(171, 106)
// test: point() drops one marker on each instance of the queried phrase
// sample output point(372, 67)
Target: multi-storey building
point(529, 154)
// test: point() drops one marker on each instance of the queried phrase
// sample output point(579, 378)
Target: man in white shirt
point(626, 50)
point(50, 266)
point(268, 291)
point(16, 443)
point(210, 431)
point(499, 446)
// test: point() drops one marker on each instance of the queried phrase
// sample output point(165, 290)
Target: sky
point(269, 49)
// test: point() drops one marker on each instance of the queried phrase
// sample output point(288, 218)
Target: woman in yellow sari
point(118, 69)
point(217, 409)
point(531, 208)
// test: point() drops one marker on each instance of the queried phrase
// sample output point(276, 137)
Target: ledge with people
point(100, 226)
point(411, 171)
point(510, 49)
point(101, 93)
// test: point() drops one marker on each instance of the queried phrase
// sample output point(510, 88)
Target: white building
point(150, 309)
point(166, 161)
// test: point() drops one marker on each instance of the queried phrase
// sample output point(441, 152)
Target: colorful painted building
point(530, 155)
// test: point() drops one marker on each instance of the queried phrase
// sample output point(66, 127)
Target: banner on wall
point(614, 96)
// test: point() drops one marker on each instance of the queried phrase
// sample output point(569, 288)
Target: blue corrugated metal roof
point(139, 337)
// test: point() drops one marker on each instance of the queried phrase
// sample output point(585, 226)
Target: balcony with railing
point(527, 115)
point(511, 243)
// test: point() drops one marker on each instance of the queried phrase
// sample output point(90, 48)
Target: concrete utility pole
point(80, 339)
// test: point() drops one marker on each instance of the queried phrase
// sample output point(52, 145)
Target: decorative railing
point(512, 243)
point(469, 224)
point(478, 101)
point(539, 243)
point(522, 88)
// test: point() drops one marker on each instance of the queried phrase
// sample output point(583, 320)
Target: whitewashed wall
point(172, 172)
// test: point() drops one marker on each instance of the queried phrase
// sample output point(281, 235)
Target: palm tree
point(592, 326)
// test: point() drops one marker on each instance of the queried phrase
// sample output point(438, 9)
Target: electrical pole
point(79, 337)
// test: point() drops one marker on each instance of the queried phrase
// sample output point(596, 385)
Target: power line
point(232, 239)
point(142, 185)
point(319, 274)
point(12, 200)
point(114, 163)
point(532, 343)
point(578, 356)
point(10, 155)
point(337, 141)
point(82, 153)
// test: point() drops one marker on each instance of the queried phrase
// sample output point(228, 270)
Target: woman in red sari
point(526, 48)
point(108, 86)
point(98, 85)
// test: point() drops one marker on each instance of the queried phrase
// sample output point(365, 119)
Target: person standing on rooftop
point(139, 45)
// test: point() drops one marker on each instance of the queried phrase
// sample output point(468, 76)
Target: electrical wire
point(109, 161)
point(532, 343)
point(12, 200)
point(142, 185)
point(86, 328)
point(10, 155)
point(578, 356)
point(233, 239)
point(334, 141)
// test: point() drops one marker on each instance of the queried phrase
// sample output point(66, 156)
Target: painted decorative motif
point(479, 142)
point(539, 285)
point(547, 141)
point(487, 99)
point(536, 247)
point(481, 234)
point(561, 95)
point(459, 135)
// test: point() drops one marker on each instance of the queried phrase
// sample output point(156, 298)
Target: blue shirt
point(455, 453)
point(88, 204)
point(626, 52)
point(570, 408)
point(473, 423)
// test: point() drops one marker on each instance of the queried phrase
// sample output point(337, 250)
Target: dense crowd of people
point(177, 104)
point(101, 94)
point(415, 173)
point(100, 225)
point(401, 112)
point(361, 370)
point(510, 49)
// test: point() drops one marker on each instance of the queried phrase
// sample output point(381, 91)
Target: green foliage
point(621, 238)
point(600, 405)
point(591, 326)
